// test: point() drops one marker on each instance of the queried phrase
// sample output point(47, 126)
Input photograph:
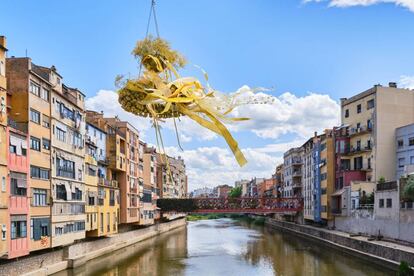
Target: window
point(65, 168)
point(358, 163)
point(77, 195)
point(2, 68)
point(401, 162)
point(60, 134)
point(18, 184)
point(36, 172)
point(46, 143)
point(65, 112)
point(18, 227)
point(3, 184)
point(346, 113)
point(101, 222)
point(34, 88)
point(369, 124)
point(45, 94)
point(389, 202)
point(34, 143)
point(46, 121)
point(39, 228)
point(370, 104)
point(400, 143)
point(39, 197)
point(411, 141)
point(381, 203)
point(412, 160)
point(61, 192)
point(369, 163)
point(77, 139)
point(34, 116)
point(323, 176)
point(359, 108)
point(3, 232)
point(91, 200)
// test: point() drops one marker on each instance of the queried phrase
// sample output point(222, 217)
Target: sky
point(306, 53)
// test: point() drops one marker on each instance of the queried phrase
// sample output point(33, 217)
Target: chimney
point(3, 43)
point(392, 84)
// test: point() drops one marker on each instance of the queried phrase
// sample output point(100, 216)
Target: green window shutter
point(36, 230)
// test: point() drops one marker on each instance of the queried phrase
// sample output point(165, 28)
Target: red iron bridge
point(243, 205)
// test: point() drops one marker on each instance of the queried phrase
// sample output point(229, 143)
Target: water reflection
point(227, 247)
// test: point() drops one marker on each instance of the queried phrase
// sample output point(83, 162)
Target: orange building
point(30, 92)
point(265, 186)
point(125, 162)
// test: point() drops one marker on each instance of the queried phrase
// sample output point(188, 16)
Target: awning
point(339, 192)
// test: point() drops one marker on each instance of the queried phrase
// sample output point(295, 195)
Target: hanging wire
point(155, 19)
point(147, 30)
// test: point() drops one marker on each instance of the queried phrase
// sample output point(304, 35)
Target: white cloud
point(212, 166)
point(409, 4)
point(287, 114)
point(406, 82)
point(284, 114)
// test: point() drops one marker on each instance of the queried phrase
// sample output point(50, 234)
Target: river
point(227, 247)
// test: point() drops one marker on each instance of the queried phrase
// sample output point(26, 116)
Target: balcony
point(385, 186)
point(23, 127)
point(296, 185)
point(18, 163)
point(360, 130)
point(297, 174)
point(359, 150)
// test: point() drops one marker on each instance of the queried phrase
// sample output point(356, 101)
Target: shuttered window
point(41, 228)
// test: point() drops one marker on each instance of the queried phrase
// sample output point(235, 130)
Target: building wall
point(3, 145)
point(18, 205)
point(293, 162)
point(395, 108)
point(308, 181)
point(405, 152)
point(68, 215)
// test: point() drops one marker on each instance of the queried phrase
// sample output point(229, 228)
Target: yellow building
point(3, 146)
point(102, 204)
point(327, 169)
point(371, 118)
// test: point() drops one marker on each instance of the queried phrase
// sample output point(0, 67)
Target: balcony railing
point(391, 185)
point(23, 127)
point(360, 130)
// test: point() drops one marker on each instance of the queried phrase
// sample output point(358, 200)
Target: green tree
point(405, 269)
point(235, 192)
point(408, 191)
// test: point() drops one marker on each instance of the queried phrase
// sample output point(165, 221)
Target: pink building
point(18, 191)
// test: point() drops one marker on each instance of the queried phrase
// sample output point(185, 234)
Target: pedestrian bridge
point(243, 205)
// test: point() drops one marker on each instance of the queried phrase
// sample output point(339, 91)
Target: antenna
point(26, 52)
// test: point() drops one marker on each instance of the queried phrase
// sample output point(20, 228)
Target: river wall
point(389, 256)
point(78, 254)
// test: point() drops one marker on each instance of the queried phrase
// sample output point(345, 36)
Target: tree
point(408, 191)
point(235, 192)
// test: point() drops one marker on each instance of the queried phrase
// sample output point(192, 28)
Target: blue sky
point(332, 49)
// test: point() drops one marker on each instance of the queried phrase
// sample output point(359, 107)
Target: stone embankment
point(380, 252)
point(78, 254)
